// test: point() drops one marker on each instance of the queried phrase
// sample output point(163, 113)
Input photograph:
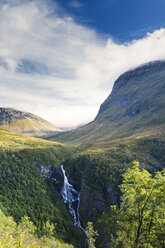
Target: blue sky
point(59, 59)
point(123, 19)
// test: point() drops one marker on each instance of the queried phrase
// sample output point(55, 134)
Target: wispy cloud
point(76, 4)
point(58, 69)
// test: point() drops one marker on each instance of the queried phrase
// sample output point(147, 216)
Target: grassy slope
point(23, 191)
point(30, 126)
point(24, 122)
point(14, 141)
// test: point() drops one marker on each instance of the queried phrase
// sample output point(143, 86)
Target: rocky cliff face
point(25, 123)
point(136, 91)
point(136, 105)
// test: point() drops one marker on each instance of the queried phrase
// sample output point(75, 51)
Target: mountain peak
point(25, 122)
point(136, 105)
point(139, 74)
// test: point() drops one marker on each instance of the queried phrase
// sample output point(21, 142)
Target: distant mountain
point(136, 105)
point(25, 123)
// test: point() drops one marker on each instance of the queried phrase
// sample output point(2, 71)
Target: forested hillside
point(31, 181)
point(23, 234)
point(27, 185)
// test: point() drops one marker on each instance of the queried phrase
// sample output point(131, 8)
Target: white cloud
point(60, 70)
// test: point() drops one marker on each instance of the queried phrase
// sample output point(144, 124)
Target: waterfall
point(71, 197)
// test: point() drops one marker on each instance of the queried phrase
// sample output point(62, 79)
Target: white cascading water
point(71, 197)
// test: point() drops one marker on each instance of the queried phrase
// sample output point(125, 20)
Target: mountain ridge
point(140, 71)
point(135, 105)
point(25, 122)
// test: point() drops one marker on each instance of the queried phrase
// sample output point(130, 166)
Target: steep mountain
point(136, 105)
point(25, 123)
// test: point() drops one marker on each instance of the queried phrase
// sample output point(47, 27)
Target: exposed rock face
point(136, 105)
point(54, 174)
point(25, 123)
point(136, 91)
point(93, 202)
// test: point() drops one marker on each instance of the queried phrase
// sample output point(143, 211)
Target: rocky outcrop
point(97, 201)
point(54, 174)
